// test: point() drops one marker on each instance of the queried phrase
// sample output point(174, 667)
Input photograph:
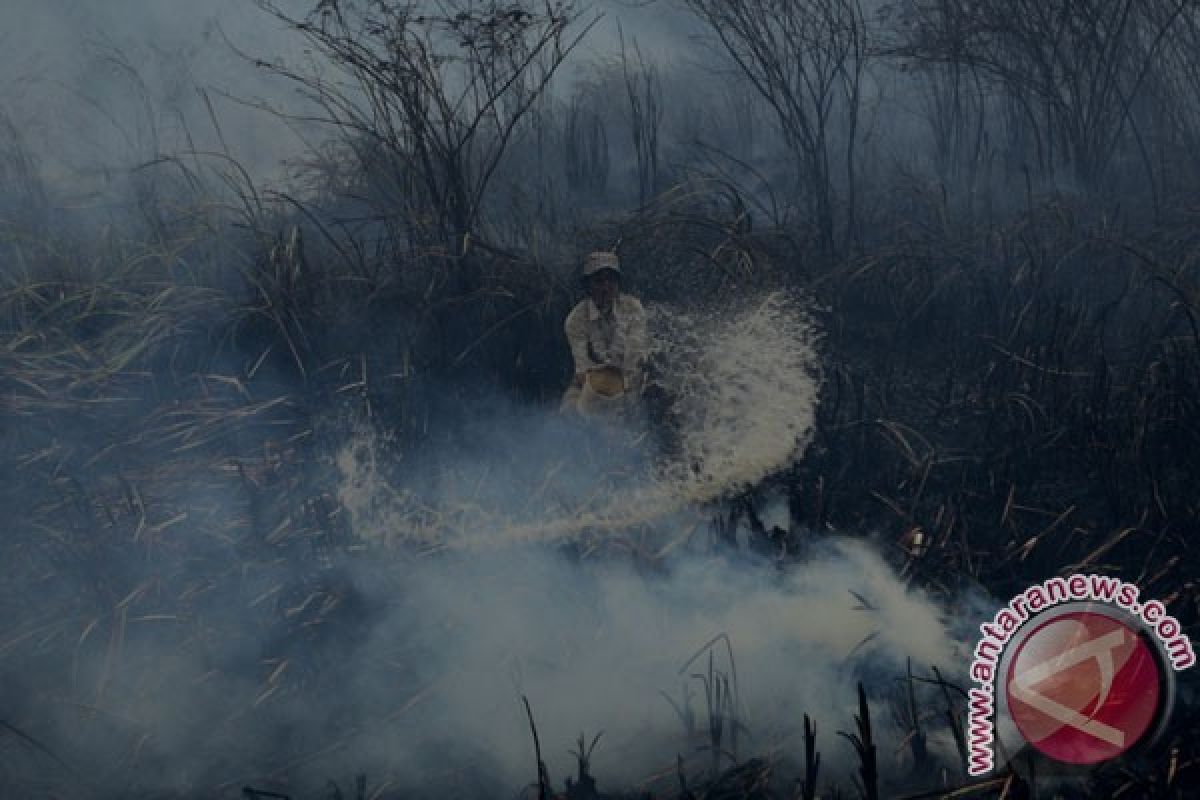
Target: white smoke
point(601, 648)
point(542, 557)
point(432, 695)
point(596, 643)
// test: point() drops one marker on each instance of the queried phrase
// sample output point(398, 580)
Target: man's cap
point(600, 261)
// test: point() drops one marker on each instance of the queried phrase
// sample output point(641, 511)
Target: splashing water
point(747, 386)
point(743, 386)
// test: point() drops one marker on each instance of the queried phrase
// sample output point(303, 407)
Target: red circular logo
point(1083, 687)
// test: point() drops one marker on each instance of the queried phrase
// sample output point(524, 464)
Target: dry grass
point(1024, 394)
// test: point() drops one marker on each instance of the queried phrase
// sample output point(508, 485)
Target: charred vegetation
point(1009, 373)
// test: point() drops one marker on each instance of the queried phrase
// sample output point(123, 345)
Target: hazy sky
point(93, 85)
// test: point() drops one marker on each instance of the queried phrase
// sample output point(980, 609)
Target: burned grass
point(999, 405)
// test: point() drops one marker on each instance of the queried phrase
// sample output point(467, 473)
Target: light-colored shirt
point(616, 339)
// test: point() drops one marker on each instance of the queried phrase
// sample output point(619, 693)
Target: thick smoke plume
point(596, 643)
point(534, 555)
point(545, 557)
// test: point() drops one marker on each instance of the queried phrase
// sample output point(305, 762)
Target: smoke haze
point(293, 498)
point(544, 557)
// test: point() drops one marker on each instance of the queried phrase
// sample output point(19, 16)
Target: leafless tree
point(807, 59)
point(432, 93)
point(643, 88)
point(954, 102)
point(1073, 67)
point(585, 149)
point(1175, 88)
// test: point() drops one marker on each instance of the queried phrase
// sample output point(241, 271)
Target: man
point(607, 335)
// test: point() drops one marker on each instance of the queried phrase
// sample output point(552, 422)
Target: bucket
point(606, 381)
